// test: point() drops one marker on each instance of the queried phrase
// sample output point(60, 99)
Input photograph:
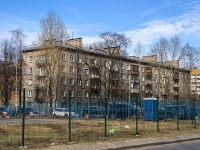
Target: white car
point(63, 112)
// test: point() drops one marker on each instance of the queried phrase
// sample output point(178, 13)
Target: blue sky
point(141, 20)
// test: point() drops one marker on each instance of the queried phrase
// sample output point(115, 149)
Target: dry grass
point(44, 135)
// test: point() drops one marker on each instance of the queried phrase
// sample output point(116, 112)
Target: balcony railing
point(41, 62)
point(40, 86)
point(39, 74)
point(134, 90)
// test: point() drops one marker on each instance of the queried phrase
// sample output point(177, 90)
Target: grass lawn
point(44, 135)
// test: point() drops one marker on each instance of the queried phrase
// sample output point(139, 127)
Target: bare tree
point(11, 62)
point(53, 33)
point(109, 39)
point(191, 58)
point(52, 27)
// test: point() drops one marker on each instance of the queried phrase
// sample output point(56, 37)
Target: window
point(79, 94)
point(71, 58)
point(64, 57)
point(63, 93)
point(122, 66)
point(30, 82)
point(93, 61)
point(72, 94)
point(128, 67)
point(29, 93)
point(79, 82)
point(71, 69)
point(86, 94)
point(41, 81)
point(63, 80)
point(30, 58)
point(79, 60)
point(30, 70)
point(79, 70)
point(86, 60)
point(86, 82)
point(123, 76)
point(86, 71)
point(63, 69)
point(71, 81)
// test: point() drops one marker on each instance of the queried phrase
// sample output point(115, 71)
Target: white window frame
point(71, 82)
point(86, 94)
point(79, 82)
point(71, 69)
point(63, 93)
point(86, 83)
point(86, 71)
point(71, 58)
point(30, 81)
point(63, 69)
point(64, 57)
point(72, 94)
point(29, 93)
point(63, 80)
point(30, 70)
point(30, 59)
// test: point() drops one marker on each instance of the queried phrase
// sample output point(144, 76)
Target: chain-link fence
point(59, 122)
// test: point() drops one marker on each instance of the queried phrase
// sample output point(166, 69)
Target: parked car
point(93, 111)
point(28, 111)
point(63, 112)
point(170, 111)
point(3, 111)
point(124, 111)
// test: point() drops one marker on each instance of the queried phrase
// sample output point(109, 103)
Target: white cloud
point(186, 25)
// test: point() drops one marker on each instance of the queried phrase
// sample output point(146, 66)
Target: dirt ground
point(40, 134)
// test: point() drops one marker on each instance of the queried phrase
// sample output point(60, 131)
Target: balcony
point(40, 86)
point(39, 74)
point(134, 90)
point(176, 76)
point(176, 85)
point(148, 91)
point(148, 82)
point(41, 62)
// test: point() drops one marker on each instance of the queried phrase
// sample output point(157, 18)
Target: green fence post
point(136, 117)
point(165, 111)
point(69, 117)
point(105, 115)
point(23, 119)
point(177, 116)
point(157, 114)
point(194, 114)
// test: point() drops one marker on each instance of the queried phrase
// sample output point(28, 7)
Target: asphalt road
point(192, 145)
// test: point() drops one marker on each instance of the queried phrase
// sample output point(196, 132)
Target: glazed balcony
point(41, 62)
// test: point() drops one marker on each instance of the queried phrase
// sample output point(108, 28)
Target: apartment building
point(195, 82)
point(53, 70)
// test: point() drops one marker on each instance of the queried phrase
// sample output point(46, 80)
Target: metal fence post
point(194, 114)
point(69, 117)
point(23, 119)
point(105, 115)
point(157, 114)
point(177, 116)
point(136, 117)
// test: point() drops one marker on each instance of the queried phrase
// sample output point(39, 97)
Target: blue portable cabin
point(149, 106)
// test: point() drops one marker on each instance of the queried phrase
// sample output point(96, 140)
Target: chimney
point(75, 42)
point(151, 58)
point(173, 63)
point(112, 50)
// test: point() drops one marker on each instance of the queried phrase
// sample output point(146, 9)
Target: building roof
point(195, 71)
point(99, 52)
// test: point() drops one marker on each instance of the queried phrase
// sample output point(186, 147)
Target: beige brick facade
point(51, 71)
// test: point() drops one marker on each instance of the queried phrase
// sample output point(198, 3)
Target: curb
point(154, 143)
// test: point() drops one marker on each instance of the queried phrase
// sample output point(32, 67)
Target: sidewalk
point(126, 144)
